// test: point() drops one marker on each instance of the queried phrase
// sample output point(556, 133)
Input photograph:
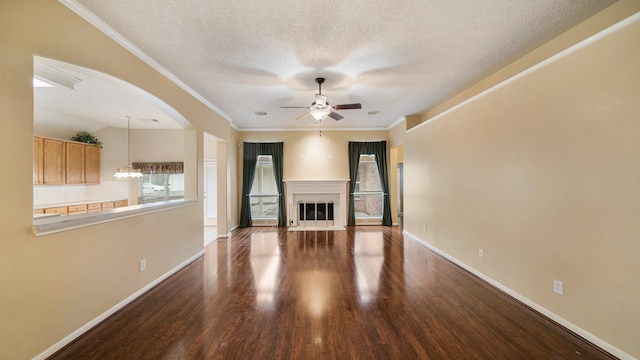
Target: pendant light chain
point(128, 171)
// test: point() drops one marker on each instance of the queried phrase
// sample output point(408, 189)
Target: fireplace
point(312, 213)
point(316, 204)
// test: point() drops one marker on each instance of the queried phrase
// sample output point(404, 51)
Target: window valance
point(176, 167)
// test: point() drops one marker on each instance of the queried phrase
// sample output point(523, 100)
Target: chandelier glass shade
point(127, 172)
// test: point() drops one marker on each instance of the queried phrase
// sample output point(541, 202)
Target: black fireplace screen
point(315, 211)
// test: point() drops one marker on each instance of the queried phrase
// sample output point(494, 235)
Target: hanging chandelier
point(128, 171)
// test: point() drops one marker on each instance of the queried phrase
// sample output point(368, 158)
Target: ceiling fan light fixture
point(320, 114)
point(320, 108)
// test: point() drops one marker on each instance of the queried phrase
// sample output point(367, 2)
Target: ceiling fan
point(320, 108)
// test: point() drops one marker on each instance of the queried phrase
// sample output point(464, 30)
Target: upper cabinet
point(74, 163)
point(65, 162)
point(91, 164)
point(53, 161)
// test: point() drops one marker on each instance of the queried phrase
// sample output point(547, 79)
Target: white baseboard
point(537, 307)
point(88, 326)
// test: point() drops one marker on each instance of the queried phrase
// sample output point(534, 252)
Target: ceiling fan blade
point(347, 106)
point(303, 116)
point(335, 116)
point(294, 107)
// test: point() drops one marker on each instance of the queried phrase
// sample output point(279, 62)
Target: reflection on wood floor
point(363, 293)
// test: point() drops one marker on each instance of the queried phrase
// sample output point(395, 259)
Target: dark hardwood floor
point(364, 293)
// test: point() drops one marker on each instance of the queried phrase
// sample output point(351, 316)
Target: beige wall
point(210, 148)
point(396, 141)
point(544, 175)
point(307, 155)
point(396, 133)
point(233, 178)
point(54, 284)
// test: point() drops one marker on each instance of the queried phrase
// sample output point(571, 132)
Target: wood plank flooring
point(363, 293)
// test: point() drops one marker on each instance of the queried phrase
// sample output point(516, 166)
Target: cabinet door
point(94, 207)
point(107, 205)
point(91, 164)
point(56, 210)
point(53, 161)
point(75, 163)
point(37, 161)
point(77, 209)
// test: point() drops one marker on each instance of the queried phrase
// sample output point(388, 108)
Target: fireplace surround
point(315, 198)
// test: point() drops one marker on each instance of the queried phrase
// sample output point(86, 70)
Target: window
point(368, 195)
point(160, 187)
point(264, 193)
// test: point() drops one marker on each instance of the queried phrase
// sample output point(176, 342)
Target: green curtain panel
point(250, 159)
point(379, 149)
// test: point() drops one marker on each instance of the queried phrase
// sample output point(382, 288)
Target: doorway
point(210, 193)
point(210, 189)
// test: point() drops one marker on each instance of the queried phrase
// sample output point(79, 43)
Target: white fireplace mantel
point(317, 190)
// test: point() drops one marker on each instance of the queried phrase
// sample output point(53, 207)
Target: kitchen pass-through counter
point(79, 207)
point(43, 224)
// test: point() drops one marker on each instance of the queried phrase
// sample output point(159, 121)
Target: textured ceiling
point(395, 57)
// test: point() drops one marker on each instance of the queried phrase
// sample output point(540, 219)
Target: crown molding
point(90, 17)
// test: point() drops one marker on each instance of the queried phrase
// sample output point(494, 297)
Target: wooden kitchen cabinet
point(91, 164)
point(56, 210)
point(107, 205)
point(38, 173)
point(76, 209)
point(74, 163)
point(53, 161)
point(58, 161)
point(81, 208)
point(94, 207)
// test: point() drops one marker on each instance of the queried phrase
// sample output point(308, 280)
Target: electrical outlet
point(424, 228)
point(558, 287)
point(143, 265)
point(481, 252)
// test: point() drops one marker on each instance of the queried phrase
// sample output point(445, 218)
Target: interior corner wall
point(396, 134)
point(222, 195)
point(543, 173)
point(193, 148)
point(234, 179)
point(393, 183)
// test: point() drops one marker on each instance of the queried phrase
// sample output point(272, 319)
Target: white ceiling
point(87, 100)
point(395, 57)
